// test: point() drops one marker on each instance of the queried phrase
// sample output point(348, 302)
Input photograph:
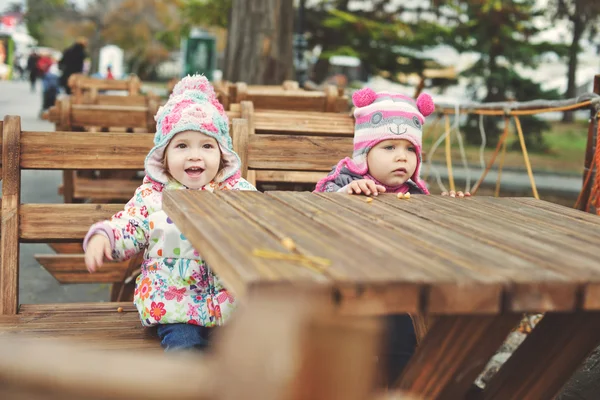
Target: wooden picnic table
point(475, 264)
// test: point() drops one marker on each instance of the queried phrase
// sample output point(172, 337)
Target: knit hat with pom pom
point(385, 116)
point(192, 106)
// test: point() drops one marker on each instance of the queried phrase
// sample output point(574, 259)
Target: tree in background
point(387, 36)
point(584, 16)
point(259, 42)
point(501, 33)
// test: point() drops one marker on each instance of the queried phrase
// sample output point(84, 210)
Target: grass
point(566, 149)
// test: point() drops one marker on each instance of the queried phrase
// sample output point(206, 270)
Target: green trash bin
point(7, 54)
point(199, 54)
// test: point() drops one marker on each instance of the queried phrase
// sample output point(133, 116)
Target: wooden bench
point(101, 324)
point(82, 86)
point(67, 265)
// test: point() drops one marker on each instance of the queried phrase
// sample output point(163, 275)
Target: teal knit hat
point(192, 106)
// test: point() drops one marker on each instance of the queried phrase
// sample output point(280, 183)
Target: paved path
point(35, 284)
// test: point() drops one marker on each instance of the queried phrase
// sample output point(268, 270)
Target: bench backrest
point(280, 98)
point(47, 223)
point(80, 84)
point(68, 116)
point(290, 146)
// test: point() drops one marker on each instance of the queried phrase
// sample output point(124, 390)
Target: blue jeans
point(175, 337)
point(401, 344)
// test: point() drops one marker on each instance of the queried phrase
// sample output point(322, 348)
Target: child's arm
point(127, 231)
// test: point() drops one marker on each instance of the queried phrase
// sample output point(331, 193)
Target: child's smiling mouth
point(194, 172)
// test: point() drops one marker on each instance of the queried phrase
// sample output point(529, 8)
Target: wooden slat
point(301, 153)
point(30, 370)
point(67, 248)
point(70, 268)
point(105, 189)
point(289, 176)
point(114, 100)
point(454, 352)
point(77, 308)
point(11, 198)
point(230, 258)
point(74, 150)
point(549, 356)
point(93, 115)
point(304, 123)
point(43, 223)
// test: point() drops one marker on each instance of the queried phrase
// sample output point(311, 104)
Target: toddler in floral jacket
point(176, 290)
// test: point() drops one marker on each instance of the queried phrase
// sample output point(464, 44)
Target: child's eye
point(181, 146)
point(391, 147)
point(412, 148)
point(208, 146)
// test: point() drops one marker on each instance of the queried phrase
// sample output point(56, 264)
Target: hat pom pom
point(193, 83)
point(425, 104)
point(363, 97)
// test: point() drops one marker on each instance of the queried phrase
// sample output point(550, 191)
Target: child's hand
point(98, 247)
point(365, 186)
point(456, 194)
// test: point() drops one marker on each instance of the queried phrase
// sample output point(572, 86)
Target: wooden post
point(589, 152)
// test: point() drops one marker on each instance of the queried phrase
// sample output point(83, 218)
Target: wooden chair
point(76, 150)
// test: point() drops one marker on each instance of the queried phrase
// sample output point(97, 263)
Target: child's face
point(392, 162)
point(193, 158)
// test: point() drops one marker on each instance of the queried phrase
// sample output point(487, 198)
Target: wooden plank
point(70, 268)
point(453, 353)
point(199, 216)
point(287, 122)
point(531, 214)
point(239, 134)
point(109, 189)
point(67, 248)
point(301, 153)
point(544, 362)
point(44, 223)
point(93, 115)
point(72, 371)
point(11, 199)
point(529, 286)
point(73, 150)
point(289, 176)
point(114, 100)
point(77, 308)
point(572, 214)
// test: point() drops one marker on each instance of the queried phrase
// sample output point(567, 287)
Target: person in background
point(72, 62)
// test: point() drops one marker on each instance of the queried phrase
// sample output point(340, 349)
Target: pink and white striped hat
point(384, 116)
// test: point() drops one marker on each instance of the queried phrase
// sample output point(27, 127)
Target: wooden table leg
point(453, 353)
point(545, 361)
point(286, 344)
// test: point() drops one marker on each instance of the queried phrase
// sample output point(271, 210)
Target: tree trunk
point(578, 28)
point(259, 46)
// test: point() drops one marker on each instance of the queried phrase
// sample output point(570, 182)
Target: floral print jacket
point(175, 284)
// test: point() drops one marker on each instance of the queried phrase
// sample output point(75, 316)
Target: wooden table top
point(441, 255)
